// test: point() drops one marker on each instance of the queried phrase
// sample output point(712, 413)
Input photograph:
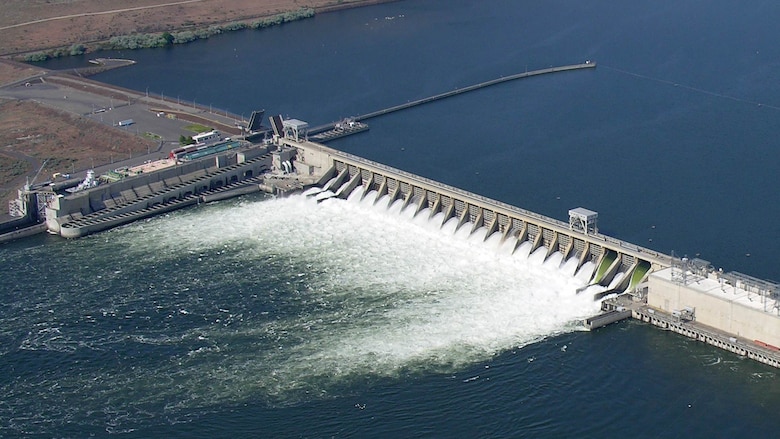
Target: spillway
point(666, 291)
point(508, 246)
point(599, 259)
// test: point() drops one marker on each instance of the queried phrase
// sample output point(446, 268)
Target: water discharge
point(282, 301)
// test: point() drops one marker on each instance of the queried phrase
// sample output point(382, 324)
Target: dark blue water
point(681, 144)
point(156, 333)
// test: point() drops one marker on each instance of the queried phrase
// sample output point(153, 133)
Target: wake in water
point(287, 300)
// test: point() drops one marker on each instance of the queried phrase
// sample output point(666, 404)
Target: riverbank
point(30, 26)
point(79, 26)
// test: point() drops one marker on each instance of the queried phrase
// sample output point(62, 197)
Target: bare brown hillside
point(32, 25)
point(31, 133)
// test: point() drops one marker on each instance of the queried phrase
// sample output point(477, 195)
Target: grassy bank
point(163, 39)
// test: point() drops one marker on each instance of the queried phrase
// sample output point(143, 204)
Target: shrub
point(282, 18)
point(147, 41)
point(77, 49)
point(36, 57)
point(184, 37)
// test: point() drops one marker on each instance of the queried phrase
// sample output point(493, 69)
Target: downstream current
point(261, 317)
point(288, 317)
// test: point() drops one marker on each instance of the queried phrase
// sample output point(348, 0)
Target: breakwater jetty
point(458, 91)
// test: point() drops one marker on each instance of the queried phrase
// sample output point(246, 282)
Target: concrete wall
point(352, 171)
point(93, 199)
point(315, 158)
point(249, 154)
point(147, 190)
point(715, 307)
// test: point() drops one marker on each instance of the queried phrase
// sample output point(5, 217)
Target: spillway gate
point(617, 264)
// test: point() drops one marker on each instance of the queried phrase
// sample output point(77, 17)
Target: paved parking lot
point(110, 105)
point(101, 108)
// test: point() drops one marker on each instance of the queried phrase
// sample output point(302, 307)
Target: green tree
point(77, 49)
point(168, 38)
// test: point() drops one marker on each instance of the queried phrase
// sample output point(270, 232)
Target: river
point(286, 318)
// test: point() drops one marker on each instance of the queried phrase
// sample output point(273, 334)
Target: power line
point(689, 87)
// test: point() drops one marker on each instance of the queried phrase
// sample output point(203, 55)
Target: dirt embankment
point(33, 25)
point(31, 134)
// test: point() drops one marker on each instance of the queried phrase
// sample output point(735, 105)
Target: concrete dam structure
point(148, 194)
point(731, 311)
point(613, 263)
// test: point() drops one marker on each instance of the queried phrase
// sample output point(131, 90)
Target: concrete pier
point(458, 91)
point(741, 346)
point(606, 318)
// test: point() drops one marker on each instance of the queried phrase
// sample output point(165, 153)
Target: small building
point(295, 129)
point(206, 138)
point(583, 220)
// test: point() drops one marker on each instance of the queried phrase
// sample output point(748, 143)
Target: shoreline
point(14, 71)
point(40, 51)
point(356, 4)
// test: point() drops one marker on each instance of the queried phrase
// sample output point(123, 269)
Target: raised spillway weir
point(612, 263)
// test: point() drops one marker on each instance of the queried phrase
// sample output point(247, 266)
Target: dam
point(618, 264)
point(731, 311)
point(728, 310)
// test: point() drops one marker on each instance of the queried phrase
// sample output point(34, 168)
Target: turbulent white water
point(285, 300)
point(397, 294)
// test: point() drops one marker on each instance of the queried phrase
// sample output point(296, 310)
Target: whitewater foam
point(409, 292)
point(290, 299)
